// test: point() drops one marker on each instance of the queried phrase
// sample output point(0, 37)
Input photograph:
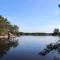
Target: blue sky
point(32, 15)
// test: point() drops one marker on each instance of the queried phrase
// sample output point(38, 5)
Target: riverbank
point(3, 37)
point(6, 37)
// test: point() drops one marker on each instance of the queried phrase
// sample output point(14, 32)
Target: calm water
point(29, 48)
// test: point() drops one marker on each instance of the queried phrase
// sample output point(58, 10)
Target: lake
point(30, 48)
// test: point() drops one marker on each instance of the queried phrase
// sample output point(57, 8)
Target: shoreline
point(5, 37)
point(1, 37)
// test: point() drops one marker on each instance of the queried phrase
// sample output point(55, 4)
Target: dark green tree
point(56, 31)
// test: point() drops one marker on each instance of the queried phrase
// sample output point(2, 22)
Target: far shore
point(27, 34)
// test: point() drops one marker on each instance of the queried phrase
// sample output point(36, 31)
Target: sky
point(32, 15)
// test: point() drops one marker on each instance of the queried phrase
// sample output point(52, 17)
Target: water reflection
point(51, 47)
point(56, 58)
point(5, 45)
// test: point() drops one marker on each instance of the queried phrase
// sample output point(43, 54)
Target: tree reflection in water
point(49, 48)
point(5, 45)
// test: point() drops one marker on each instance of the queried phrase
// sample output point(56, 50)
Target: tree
point(5, 25)
point(56, 31)
point(59, 5)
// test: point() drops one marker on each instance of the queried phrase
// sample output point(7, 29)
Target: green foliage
point(5, 25)
point(56, 31)
point(1, 30)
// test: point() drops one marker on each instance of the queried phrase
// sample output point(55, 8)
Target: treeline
point(55, 33)
point(6, 26)
point(35, 34)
